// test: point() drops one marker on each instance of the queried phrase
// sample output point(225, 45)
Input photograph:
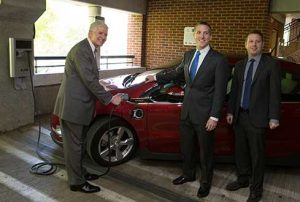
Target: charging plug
point(124, 96)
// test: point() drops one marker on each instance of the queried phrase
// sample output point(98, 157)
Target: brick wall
point(134, 43)
point(231, 20)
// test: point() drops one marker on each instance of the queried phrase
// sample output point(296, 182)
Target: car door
point(285, 140)
point(163, 119)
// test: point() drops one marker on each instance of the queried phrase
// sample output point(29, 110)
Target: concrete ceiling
point(22, 10)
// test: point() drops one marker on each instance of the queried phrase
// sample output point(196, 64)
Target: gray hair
point(96, 24)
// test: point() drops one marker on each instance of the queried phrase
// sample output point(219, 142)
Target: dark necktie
point(247, 89)
point(194, 66)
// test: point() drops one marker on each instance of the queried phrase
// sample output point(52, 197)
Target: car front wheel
point(122, 138)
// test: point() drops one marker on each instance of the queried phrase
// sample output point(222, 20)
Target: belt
point(244, 110)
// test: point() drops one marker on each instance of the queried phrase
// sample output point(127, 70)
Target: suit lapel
point(189, 59)
point(91, 53)
point(88, 48)
point(242, 72)
point(259, 69)
point(205, 63)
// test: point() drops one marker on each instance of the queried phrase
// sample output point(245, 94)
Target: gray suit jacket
point(80, 86)
point(204, 96)
point(265, 91)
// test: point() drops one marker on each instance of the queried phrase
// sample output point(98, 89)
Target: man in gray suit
point(75, 104)
point(254, 106)
point(205, 72)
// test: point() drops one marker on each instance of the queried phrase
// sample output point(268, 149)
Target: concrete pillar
point(95, 13)
point(16, 20)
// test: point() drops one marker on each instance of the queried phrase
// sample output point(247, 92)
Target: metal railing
point(293, 29)
point(111, 57)
point(59, 61)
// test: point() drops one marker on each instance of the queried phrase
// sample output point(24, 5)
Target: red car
point(149, 122)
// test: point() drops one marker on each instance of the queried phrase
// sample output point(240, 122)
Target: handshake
point(117, 99)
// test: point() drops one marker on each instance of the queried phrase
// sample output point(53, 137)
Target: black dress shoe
point(182, 179)
point(85, 188)
point(254, 197)
point(203, 191)
point(233, 186)
point(91, 177)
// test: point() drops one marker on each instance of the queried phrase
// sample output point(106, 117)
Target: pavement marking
point(23, 189)
point(161, 172)
point(284, 192)
point(217, 190)
point(61, 174)
point(268, 187)
point(43, 130)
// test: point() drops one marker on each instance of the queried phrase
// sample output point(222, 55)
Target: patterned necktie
point(247, 89)
point(193, 69)
point(97, 57)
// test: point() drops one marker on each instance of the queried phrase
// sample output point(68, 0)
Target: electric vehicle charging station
point(20, 57)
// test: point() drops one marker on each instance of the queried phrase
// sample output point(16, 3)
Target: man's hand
point(273, 125)
point(211, 124)
point(229, 118)
point(107, 85)
point(116, 99)
point(149, 78)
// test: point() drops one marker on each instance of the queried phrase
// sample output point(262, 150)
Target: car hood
point(125, 81)
point(113, 83)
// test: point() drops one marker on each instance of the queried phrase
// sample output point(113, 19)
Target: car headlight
point(57, 130)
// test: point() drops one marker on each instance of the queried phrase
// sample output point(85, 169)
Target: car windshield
point(137, 78)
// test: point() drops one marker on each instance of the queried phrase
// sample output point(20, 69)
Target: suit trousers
point(74, 143)
point(197, 143)
point(249, 152)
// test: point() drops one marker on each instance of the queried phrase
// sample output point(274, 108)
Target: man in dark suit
point(75, 104)
point(205, 72)
point(254, 105)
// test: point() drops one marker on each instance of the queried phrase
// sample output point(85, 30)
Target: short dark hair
point(203, 23)
point(256, 32)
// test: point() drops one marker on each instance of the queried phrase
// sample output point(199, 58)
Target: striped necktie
point(97, 57)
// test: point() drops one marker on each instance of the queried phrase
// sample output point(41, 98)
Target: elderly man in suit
point(205, 72)
point(75, 104)
point(254, 106)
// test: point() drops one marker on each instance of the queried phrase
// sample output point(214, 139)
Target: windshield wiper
point(129, 79)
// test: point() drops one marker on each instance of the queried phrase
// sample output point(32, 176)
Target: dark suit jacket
point(204, 96)
point(265, 91)
point(80, 86)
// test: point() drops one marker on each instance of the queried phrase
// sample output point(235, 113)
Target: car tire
point(123, 141)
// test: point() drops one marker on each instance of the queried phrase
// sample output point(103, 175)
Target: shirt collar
point(256, 58)
point(204, 50)
point(92, 45)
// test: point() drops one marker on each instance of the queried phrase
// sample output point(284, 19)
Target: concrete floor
point(136, 180)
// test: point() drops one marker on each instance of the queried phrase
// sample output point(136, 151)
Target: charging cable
point(109, 134)
point(124, 97)
point(46, 167)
